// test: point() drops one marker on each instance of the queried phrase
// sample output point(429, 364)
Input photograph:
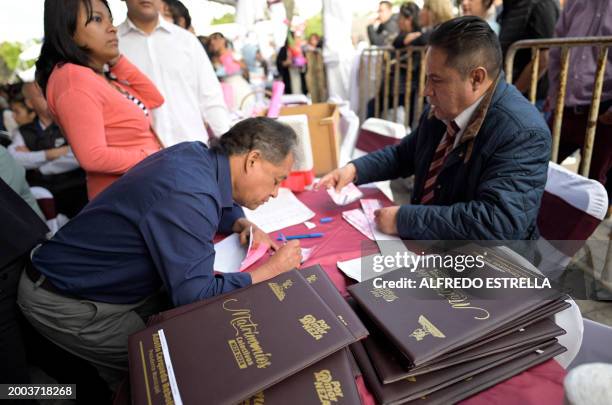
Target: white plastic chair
point(376, 133)
point(572, 208)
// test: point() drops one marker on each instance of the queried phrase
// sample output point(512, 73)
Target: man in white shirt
point(175, 61)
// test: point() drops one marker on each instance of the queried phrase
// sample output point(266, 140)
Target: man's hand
point(243, 227)
point(52, 154)
point(386, 219)
point(338, 178)
point(606, 118)
point(287, 257)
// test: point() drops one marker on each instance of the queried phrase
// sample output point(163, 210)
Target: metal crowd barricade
point(566, 44)
point(379, 80)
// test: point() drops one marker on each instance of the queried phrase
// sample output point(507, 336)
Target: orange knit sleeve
point(81, 117)
point(139, 83)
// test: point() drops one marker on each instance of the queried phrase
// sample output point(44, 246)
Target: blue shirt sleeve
point(178, 231)
point(228, 217)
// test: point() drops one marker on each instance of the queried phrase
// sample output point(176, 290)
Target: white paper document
point(229, 254)
point(176, 395)
point(280, 212)
point(352, 268)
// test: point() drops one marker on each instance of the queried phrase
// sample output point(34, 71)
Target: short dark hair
point(386, 3)
point(275, 140)
point(411, 10)
point(61, 18)
point(178, 10)
point(468, 42)
point(18, 98)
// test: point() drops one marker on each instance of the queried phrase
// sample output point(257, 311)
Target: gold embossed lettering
point(427, 328)
point(327, 389)
point(246, 346)
point(316, 328)
point(385, 293)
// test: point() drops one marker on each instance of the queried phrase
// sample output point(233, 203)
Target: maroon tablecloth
point(539, 385)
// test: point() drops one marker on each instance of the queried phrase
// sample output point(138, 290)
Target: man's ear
point(478, 77)
point(252, 157)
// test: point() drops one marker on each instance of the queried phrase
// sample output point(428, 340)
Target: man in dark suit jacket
point(479, 155)
point(387, 28)
point(528, 19)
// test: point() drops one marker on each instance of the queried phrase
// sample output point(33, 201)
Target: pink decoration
point(278, 88)
point(228, 94)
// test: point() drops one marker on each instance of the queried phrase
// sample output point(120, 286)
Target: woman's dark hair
point(61, 18)
point(274, 139)
point(218, 35)
point(411, 10)
point(179, 10)
point(205, 41)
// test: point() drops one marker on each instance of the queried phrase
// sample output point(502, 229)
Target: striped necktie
point(442, 151)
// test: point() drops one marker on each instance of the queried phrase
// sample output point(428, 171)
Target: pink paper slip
point(358, 220)
point(253, 255)
point(369, 206)
point(349, 194)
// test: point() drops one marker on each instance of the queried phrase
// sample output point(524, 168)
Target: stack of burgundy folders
point(283, 339)
point(441, 345)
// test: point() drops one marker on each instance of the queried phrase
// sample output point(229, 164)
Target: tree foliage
point(9, 53)
point(314, 25)
point(226, 18)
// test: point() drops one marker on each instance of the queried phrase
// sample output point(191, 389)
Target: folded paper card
point(359, 221)
point(349, 194)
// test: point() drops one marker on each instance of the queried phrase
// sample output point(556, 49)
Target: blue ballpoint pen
point(282, 238)
point(304, 236)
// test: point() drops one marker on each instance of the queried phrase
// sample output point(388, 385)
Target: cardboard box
point(323, 121)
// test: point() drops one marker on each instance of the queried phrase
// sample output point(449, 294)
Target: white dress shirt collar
point(176, 62)
point(128, 26)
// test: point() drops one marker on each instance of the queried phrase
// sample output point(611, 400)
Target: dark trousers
point(21, 345)
point(13, 365)
point(65, 368)
point(573, 130)
point(69, 189)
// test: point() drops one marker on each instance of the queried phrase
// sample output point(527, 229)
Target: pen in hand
point(282, 238)
point(303, 236)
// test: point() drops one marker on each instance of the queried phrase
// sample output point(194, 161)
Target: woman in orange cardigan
point(99, 99)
